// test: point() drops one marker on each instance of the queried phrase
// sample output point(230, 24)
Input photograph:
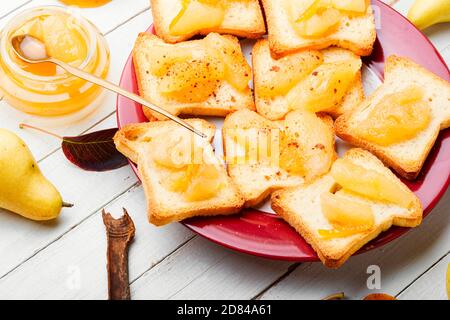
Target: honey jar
point(46, 89)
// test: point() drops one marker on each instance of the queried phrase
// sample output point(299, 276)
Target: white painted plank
point(21, 238)
point(11, 5)
point(430, 286)
point(203, 270)
point(401, 261)
point(75, 266)
point(106, 17)
point(121, 42)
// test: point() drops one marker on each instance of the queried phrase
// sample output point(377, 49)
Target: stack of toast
point(279, 139)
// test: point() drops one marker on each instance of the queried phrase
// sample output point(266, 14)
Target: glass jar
point(55, 93)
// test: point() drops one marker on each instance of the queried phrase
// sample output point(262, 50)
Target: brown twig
point(120, 232)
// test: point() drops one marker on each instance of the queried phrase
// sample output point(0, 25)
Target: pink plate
point(266, 235)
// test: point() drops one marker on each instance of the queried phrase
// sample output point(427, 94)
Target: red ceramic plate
point(266, 235)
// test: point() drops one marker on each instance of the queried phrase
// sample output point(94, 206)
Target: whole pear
point(23, 188)
point(425, 13)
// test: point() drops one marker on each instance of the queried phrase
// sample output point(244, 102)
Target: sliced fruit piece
point(291, 155)
point(62, 39)
point(324, 21)
point(356, 6)
point(286, 72)
point(304, 145)
point(316, 139)
point(178, 181)
point(325, 88)
point(250, 146)
point(344, 213)
point(369, 183)
point(197, 15)
point(304, 10)
point(205, 185)
point(177, 153)
point(398, 117)
point(238, 72)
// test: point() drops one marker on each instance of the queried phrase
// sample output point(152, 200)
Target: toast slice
point(144, 143)
point(275, 108)
point(225, 98)
point(355, 33)
point(258, 166)
point(301, 208)
point(242, 19)
point(406, 158)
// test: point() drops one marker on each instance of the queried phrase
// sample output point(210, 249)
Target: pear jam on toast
point(264, 156)
point(401, 120)
point(180, 173)
point(297, 25)
point(199, 77)
point(343, 210)
point(317, 18)
point(312, 80)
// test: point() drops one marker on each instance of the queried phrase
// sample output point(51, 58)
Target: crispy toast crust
point(251, 29)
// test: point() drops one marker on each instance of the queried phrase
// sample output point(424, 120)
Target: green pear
point(23, 188)
point(425, 13)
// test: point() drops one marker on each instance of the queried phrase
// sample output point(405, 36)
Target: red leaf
point(92, 152)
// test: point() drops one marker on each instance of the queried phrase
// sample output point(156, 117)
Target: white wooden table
point(66, 259)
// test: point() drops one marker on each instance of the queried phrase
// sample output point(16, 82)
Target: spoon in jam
point(33, 51)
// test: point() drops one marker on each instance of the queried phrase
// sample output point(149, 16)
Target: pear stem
point(24, 125)
point(67, 205)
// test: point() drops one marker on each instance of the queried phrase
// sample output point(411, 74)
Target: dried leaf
point(92, 152)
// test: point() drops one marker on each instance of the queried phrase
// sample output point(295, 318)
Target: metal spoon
point(32, 50)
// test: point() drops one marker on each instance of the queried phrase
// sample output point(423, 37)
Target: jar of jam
point(46, 89)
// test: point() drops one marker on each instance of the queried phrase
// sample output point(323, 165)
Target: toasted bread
point(406, 158)
point(142, 142)
point(242, 19)
point(257, 176)
point(301, 208)
point(224, 100)
point(277, 107)
point(354, 33)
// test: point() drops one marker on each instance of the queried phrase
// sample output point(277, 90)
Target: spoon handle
point(112, 87)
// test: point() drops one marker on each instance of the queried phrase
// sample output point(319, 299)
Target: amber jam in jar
point(46, 89)
point(85, 3)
